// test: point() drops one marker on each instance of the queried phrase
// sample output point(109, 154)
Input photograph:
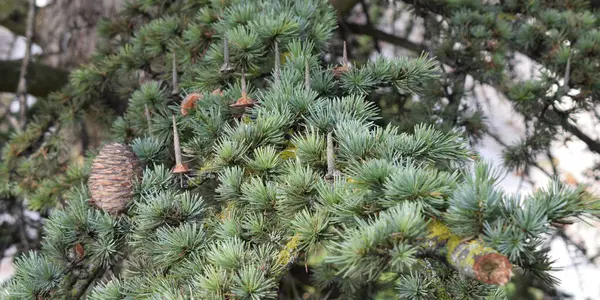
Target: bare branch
point(41, 79)
point(22, 86)
point(386, 37)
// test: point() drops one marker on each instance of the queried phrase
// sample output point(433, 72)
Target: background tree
point(286, 185)
point(447, 105)
point(486, 42)
point(65, 30)
point(56, 130)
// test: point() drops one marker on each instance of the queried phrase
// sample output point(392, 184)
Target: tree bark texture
point(67, 29)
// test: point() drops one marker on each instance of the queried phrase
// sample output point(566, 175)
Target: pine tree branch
point(41, 81)
point(439, 9)
point(80, 292)
point(470, 257)
point(592, 144)
point(384, 36)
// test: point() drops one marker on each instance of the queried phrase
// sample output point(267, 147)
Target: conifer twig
point(80, 292)
point(22, 86)
point(306, 75)
point(243, 83)
point(176, 142)
point(340, 70)
point(175, 79)
point(277, 62)
point(505, 145)
point(345, 55)
point(332, 172)
point(148, 119)
point(226, 68)
point(179, 166)
point(244, 100)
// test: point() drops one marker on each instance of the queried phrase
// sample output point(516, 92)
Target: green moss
point(288, 153)
point(286, 254)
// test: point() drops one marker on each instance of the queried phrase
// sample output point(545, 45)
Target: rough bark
point(67, 29)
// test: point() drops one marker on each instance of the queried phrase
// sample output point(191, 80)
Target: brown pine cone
point(111, 181)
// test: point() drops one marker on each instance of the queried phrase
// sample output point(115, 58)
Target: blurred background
point(499, 59)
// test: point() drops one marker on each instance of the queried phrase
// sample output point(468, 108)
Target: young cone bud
point(340, 70)
point(226, 68)
point(179, 166)
point(111, 181)
point(244, 101)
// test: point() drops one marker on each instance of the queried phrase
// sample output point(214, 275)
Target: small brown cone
point(111, 181)
point(189, 102)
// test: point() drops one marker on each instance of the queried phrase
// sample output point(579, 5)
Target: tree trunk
point(67, 29)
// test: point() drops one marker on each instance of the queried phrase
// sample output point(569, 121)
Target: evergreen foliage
point(300, 193)
point(487, 43)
